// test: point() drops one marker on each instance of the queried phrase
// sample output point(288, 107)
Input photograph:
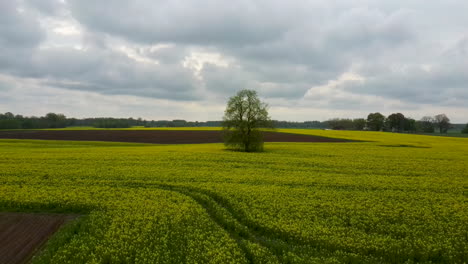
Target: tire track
point(242, 231)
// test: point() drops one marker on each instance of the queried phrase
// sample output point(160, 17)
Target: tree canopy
point(245, 114)
point(396, 122)
point(375, 121)
point(442, 122)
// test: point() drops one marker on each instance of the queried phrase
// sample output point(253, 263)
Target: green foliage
point(51, 120)
point(375, 121)
point(346, 124)
point(305, 124)
point(396, 122)
point(442, 122)
point(245, 114)
point(55, 120)
point(359, 123)
point(9, 124)
point(465, 130)
point(240, 140)
point(111, 123)
point(410, 125)
point(426, 124)
point(340, 124)
point(396, 198)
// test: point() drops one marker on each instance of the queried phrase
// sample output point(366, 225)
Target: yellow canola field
point(392, 199)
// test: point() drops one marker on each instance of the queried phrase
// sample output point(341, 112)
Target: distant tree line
point(395, 122)
point(51, 120)
point(306, 124)
point(465, 130)
point(345, 124)
point(182, 123)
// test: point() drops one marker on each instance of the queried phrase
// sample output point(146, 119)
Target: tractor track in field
point(242, 230)
point(235, 222)
point(223, 215)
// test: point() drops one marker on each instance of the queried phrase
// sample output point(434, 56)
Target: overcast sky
point(182, 59)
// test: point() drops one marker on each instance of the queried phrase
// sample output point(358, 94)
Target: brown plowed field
point(152, 136)
point(22, 234)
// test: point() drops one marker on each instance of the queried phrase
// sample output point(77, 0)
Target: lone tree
point(245, 114)
point(442, 122)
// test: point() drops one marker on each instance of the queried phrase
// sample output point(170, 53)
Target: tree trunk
point(247, 143)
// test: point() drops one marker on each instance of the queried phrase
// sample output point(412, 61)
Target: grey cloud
point(288, 61)
point(345, 103)
point(4, 87)
point(282, 90)
point(348, 35)
point(442, 79)
point(309, 55)
point(97, 68)
point(20, 34)
point(366, 32)
point(112, 73)
point(416, 85)
point(195, 22)
point(108, 72)
point(170, 54)
point(283, 73)
point(228, 80)
point(47, 7)
point(224, 80)
point(18, 29)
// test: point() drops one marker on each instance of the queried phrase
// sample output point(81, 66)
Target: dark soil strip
point(153, 136)
point(21, 234)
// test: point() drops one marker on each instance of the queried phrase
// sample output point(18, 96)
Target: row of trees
point(181, 123)
point(375, 121)
point(397, 122)
point(345, 124)
point(51, 120)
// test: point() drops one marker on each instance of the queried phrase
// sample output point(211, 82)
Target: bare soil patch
point(22, 234)
point(153, 136)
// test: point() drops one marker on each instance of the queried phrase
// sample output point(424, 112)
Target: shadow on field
point(403, 146)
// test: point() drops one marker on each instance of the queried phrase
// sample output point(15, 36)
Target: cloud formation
point(340, 58)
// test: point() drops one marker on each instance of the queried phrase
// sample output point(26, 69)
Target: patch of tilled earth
point(153, 136)
point(22, 234)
